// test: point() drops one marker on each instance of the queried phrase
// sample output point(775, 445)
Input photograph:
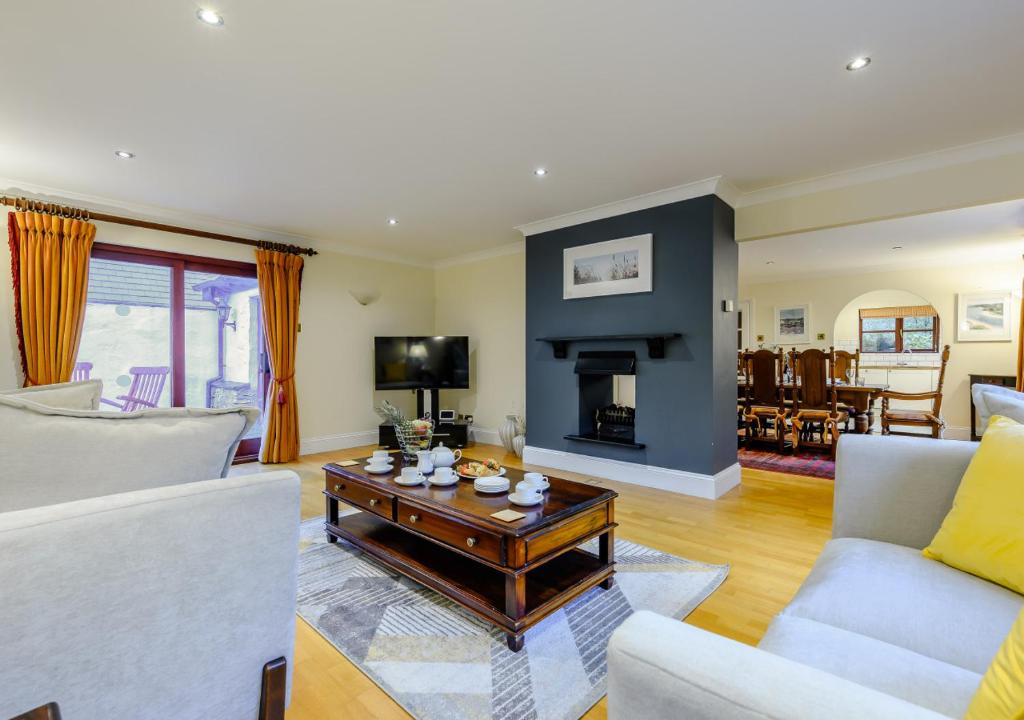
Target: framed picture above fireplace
point(612, 267)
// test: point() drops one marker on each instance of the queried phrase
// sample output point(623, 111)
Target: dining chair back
point(846, 360)
point(764, 406)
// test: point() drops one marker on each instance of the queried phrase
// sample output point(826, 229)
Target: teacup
point(445, 475)
point(380, 457)
point(527, 490)
point(535, 479)
point(411, 475)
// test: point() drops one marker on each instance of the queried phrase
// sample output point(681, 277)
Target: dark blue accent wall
point(686, 402)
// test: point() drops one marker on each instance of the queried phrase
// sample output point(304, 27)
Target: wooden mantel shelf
point(655, 342)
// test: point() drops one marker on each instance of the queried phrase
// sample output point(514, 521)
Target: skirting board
point(710, 487)
point(485, 436)
point(327, 443)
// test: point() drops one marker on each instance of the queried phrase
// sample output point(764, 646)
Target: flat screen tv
point(411, 363)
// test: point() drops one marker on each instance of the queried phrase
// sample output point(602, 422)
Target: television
point(415, 363)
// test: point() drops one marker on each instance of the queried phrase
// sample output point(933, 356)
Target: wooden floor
point(769, 530)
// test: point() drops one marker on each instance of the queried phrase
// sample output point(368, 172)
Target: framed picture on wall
point(612, 267)
point(984, 316)
point(792, 324)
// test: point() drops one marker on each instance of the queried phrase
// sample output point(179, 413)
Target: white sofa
point(163, 600)
point(876, 631)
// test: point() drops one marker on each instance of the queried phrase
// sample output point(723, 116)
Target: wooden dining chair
point(147, 384)
point(846, 361)
point(815, 411)
point(764, 408)
point(931, 419)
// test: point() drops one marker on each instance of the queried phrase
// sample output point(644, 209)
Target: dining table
point(858, 400)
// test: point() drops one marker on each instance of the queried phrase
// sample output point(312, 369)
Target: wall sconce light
point(365, 297)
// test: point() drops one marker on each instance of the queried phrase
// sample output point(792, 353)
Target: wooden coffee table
point(510, 574)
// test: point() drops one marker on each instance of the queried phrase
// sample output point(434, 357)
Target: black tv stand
point(435, 402)
point(454, 435)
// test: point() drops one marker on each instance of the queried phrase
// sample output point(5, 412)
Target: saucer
point(379, 469)
point(434, 481)
point(401, 481)
point(515, 499)
point(389, 459)
point(542, 485)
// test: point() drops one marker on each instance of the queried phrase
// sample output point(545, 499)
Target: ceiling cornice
point(711, 186)
point(499, 251)
point(958, 155)
point(155, 213)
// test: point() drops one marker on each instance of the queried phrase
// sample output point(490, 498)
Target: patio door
point(164, 329)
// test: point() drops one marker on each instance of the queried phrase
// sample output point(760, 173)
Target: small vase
point(518, 443)
point(508, 431)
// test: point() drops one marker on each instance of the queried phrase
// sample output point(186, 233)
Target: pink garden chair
point(147, 384)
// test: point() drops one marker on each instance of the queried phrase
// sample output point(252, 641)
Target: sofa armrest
point(661, 668)
point(896, 489)
point(151, 604)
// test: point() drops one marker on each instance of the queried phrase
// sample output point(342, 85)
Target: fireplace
point(607, 401)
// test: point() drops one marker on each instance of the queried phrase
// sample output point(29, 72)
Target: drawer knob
point(373, 503)
point(414, 518)
point(471, 541)
point(339, 488)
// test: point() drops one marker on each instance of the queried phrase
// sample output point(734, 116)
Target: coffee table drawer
point(465, 538)
point(353, 493)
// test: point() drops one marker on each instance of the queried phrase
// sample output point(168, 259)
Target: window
point(899, 329)
point(163, 330)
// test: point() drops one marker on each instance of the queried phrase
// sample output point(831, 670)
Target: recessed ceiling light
point(124, 154)
point(858, 63)
point(770, 262)
point(392, 221)
point(540, 172)
point(210, 17)
point(897, 247)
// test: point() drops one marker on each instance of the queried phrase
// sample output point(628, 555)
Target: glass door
point(164, 329)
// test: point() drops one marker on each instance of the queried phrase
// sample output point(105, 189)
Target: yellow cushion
point(983, 534)
point(1001, 693)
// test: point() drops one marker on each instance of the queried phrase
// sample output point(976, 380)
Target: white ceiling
point(983, 234)
point(323, 118)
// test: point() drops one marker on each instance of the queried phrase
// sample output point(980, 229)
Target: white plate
point(515, 499)
point(374, 470)
point(390, 459)
point(501, 472)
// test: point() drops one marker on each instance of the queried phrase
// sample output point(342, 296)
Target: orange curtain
point(280, 276)
point(50, 270)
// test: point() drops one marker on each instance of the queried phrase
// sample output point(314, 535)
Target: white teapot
point(444, 457)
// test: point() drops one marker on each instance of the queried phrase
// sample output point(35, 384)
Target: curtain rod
point(20, 203)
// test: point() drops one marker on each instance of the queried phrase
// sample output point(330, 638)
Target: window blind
point(899, 311)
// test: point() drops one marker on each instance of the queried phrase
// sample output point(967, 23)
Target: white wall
point(938, 286)
point(486, 300)
point(334, 373)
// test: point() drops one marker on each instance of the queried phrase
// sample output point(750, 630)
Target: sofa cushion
point(983, 534)
point(1001, 694)
point(894, 594)
point(919, 679)
point(992, 400)
point(83, 395)
point(51, 455)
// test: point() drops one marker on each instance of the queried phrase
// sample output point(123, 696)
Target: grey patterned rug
point(440, 662)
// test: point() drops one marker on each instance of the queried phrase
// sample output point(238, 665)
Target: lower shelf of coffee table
point(472, 584)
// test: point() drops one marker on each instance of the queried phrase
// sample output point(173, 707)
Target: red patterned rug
point(809, 464)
